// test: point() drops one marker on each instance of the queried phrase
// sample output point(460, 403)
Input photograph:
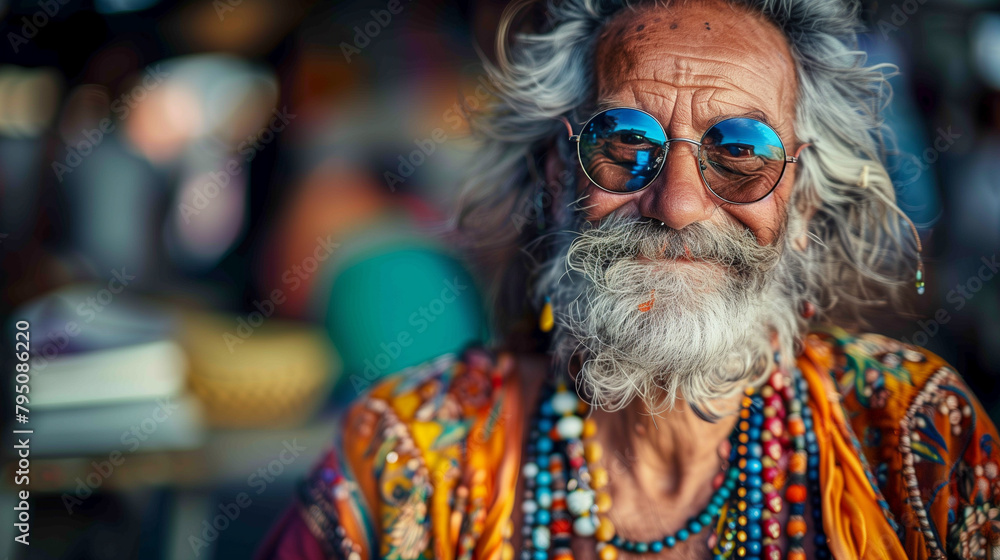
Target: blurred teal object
point(397, 305)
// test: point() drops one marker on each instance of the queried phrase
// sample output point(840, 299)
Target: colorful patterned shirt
point(427, 462)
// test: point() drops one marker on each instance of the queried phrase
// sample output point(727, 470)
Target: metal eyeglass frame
point(660, 161)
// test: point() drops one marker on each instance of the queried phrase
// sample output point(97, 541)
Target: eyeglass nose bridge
point(688, 140)
point(667, 142)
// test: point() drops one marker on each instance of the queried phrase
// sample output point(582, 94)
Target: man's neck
point(673, 455)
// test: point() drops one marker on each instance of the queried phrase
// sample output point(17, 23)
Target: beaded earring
point(919, 277)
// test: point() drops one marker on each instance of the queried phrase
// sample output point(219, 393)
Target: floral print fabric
point(932, 447)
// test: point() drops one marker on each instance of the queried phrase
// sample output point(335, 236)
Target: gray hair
point(859, 250)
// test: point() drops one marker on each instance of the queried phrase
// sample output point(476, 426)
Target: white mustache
point(618, 238)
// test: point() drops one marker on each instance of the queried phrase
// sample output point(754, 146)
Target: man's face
point(685, 309)
point(687, 65)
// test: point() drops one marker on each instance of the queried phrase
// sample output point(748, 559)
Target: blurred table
point(166, 496)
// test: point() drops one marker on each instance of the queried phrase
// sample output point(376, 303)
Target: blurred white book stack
point(107, 379)
point(130, 398)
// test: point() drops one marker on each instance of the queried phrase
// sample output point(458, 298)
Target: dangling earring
point(863, 183)
point(546, 321)
point(920, 261)
point(919, 283)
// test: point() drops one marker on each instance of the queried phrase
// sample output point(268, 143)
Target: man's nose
point(678, 195)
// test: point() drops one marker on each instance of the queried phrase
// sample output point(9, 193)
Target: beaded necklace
point(565, 494)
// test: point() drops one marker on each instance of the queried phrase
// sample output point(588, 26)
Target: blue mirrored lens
point(622, 150)
point(742, 159)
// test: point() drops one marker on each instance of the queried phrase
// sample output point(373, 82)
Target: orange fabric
point(852, 519)
point(508, 458)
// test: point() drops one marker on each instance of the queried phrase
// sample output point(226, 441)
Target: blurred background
point(222, 220)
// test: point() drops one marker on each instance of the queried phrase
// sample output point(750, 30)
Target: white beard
point(648, 326)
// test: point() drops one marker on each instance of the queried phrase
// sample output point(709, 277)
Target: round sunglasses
point(622, 150)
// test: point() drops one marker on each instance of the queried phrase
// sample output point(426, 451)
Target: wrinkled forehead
point(711, 56)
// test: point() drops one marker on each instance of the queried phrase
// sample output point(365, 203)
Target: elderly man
point(688, 199)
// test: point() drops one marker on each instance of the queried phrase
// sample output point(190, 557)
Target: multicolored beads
point(565, 488)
